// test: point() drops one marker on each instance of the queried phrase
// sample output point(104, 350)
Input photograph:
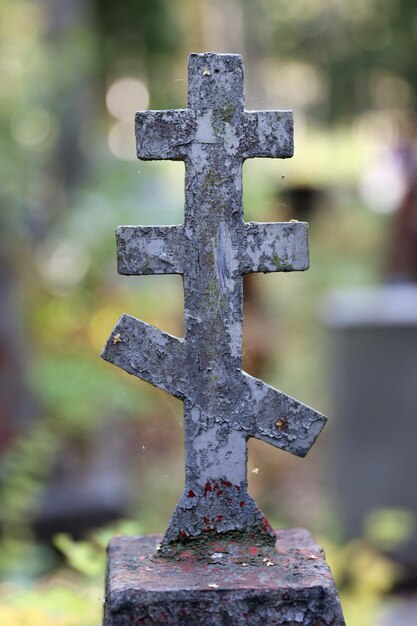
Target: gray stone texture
point(213, 249)
point(227, 585)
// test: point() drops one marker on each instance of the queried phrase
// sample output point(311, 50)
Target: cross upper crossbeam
point(213, 249)
point(171, 134)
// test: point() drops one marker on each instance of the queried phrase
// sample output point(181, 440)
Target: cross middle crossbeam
point(269, 247)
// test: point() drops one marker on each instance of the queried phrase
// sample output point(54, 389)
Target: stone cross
point(213, 249)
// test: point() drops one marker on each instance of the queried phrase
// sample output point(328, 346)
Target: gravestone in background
point(219, 562)
point(373, 372)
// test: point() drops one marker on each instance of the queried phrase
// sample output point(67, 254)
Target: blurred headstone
point(88, 485)
point(219, 561)
point(374, 382)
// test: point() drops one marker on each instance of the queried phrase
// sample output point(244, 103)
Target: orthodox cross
point(213, 249)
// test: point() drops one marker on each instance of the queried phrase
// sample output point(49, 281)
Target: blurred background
point(86, 451)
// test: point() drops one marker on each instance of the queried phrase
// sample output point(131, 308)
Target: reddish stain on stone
point(186, 567)
point(219, 493)
point(207, 488)
point(191, 494)
point(253, 550)
point(226, 483)
point(187, 554)
point(208, 524)
point(241, 504)
point(219, 518)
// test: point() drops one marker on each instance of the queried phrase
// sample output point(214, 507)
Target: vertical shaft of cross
point(212, 278)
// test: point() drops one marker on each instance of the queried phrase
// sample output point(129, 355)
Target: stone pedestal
point(221, 583)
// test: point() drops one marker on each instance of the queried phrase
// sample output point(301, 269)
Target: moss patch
point(226, 112)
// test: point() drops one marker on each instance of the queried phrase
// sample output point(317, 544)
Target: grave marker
point(213, 249)
point(223, 406)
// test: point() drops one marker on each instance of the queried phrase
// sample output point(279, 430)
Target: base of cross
point(227, 583)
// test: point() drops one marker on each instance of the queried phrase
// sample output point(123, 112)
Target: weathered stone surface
point(275, 247)
point(268, 247)
point(223, 406)
point(150, 249)
point(227, 585)
point(159, 357)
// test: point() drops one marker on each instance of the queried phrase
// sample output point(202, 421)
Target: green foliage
point(145, 34)
point(60, 601)
point(88, 557)
point(137, 26)
point(23, 471)
point(390, 529)
point(67, 385)
point(363, 577)
point(82, 556)
point(354, 47)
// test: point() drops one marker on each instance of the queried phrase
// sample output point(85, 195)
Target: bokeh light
point(126, 96)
